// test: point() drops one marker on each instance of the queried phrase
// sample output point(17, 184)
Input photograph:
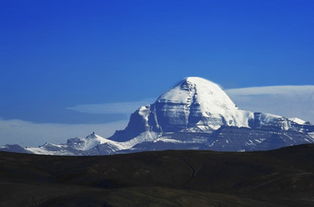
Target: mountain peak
point(92, 135)
point(207, 94)
point(192, 82)
point(96, 137)
point(197, 80)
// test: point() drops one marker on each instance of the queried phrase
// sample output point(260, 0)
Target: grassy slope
point(170, 178)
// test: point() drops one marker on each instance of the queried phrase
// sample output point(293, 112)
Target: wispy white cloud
point(32, 134)
point(289, 101)
point(272, 90)
point(111, 108)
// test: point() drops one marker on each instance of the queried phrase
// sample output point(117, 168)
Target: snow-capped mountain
point(194, 114)
point(13, 148)
point(198, 105)
point(92, 144)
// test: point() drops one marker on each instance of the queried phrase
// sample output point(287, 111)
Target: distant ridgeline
point(195, 114)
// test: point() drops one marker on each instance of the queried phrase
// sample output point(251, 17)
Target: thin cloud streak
point(27, 133)
point(289, 101)
point(272, 90)
point(110, 108)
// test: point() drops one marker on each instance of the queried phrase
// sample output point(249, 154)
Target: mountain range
point(195, 114)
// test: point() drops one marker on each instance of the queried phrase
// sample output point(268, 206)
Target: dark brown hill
point(283, 177)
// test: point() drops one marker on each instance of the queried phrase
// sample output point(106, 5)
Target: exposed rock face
point(198, 105)
point(198, 114)
point(194, 104)
point(248, 139)
point(140, 121)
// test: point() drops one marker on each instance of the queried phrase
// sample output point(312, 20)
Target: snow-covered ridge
point(90, 145)
point(208, 94)
point(196, 97)
point(298, 121)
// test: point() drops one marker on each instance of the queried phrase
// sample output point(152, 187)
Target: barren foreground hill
point(281, 177)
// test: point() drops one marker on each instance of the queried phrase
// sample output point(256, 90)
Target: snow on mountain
point(195, 105)
point(207, 94)
point(194, 114)
point(199, 102)
point(79, 146)
point(51, 149)
point(290, 101)
point(298, 121)
point(89, 142)
point(13, 148)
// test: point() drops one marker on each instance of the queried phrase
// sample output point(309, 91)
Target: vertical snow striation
point(196, 102)
point(196, 105)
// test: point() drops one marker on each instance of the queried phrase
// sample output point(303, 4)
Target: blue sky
point(58, 54)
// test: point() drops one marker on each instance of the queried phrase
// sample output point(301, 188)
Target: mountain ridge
point(194, 114)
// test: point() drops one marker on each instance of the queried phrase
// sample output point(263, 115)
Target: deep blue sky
point(61, 53)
